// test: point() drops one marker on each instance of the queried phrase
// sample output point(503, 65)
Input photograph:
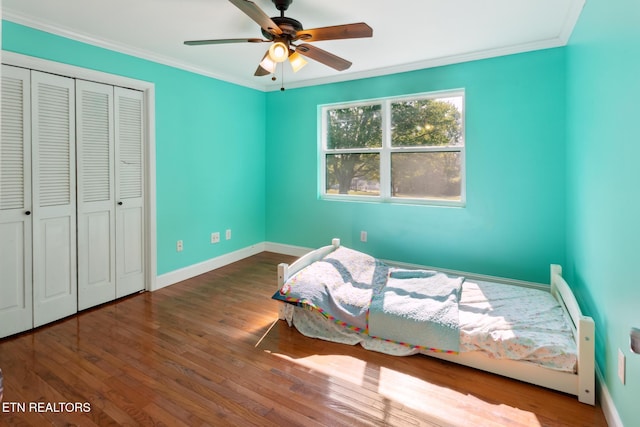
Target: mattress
point(500, 320)
point(518, 323)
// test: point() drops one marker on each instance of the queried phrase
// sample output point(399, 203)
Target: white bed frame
point(580, 384)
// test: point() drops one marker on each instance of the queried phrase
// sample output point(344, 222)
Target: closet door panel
point(15, 301)
point(55, 240)
point(16, 307)
point(96, 205)
point(100, 260)
point(54, 197)
point(129, 152)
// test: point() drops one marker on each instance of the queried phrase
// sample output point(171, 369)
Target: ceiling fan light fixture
point(297, 61)
point(278, 52)
point(268, 64)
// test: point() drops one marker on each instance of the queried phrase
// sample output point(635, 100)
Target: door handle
point(27, 213)
point(119, 203)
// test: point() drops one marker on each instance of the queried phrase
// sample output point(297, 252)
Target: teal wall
point(603, 235)
point(209, 148)
point(514, 220)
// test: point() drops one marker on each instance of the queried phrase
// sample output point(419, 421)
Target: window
point(408, 149)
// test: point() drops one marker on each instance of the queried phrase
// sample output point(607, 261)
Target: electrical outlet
point(215, 237)
point(621, 367)
point(227, 234)
point(179, 246)
point(363, 236)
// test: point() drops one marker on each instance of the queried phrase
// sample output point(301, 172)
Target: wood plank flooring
point(208, 351)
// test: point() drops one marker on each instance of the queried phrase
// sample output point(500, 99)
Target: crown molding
point(570, 21)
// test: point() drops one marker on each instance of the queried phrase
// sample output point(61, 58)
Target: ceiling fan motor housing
point(289, 27)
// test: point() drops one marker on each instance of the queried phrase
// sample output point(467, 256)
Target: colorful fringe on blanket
point(309, 305)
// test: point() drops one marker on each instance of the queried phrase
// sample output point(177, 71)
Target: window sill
point(394, 200)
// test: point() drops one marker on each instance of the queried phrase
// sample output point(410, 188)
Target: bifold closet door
point(110, 192)
point(129, 172)
point(16, 295)
point(61, 251)
point(96, 204)
point(54, 197)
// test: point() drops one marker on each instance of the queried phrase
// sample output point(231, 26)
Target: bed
point(530, 332)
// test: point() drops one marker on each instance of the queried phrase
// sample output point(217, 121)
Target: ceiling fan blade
point(336, 32)
point(261, 72)
point(222, 41)
point(324, 57)
point(255, 13)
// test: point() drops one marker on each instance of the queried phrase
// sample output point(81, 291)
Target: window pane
point(434, 175)
point(353, 174)
point(427, 122)
point(354, 127)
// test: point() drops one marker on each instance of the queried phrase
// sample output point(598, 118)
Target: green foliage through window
point(354, 127)
point(425, 122)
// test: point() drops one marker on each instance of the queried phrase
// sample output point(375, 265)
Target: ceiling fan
point(289, 39)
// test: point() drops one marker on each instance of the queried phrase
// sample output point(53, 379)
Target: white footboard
point(584, 333)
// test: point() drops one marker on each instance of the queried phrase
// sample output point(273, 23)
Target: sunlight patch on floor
point(387, 393)
point(418, 394)
point(345, 368)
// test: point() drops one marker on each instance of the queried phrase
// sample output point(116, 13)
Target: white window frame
point(386, 150)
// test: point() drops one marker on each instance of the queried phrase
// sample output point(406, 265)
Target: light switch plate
point(635, 340)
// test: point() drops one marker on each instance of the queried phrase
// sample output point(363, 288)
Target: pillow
point(340, 286)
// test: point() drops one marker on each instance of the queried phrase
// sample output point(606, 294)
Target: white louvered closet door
point(54, 197)
point(96, 204)
point(16, 306)
point(129, 173)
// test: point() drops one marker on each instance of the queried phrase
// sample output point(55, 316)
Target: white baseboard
point(280, 248)
point(185, 273)
point(606, 403)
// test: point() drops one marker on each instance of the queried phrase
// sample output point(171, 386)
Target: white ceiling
point(407, 34)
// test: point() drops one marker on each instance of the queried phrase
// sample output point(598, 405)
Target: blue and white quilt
point(416, 308)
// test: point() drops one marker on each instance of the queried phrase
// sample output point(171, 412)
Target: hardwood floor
point(208, 351)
